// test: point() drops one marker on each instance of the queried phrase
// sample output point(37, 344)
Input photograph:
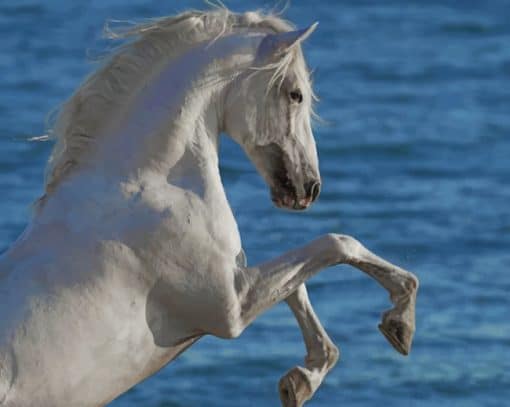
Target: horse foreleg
point(300, 383)
point(261, 287)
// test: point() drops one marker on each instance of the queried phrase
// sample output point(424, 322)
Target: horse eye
point(296, 96)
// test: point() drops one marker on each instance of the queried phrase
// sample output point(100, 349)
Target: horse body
point(74, 337)
point(78, 337)
point(134, 252)
point(149, 231)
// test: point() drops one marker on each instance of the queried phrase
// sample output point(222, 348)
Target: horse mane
point(123, 73)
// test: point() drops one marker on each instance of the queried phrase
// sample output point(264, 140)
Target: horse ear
point(274, 45)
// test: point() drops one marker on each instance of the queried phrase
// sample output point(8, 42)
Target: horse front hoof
point(398, 334)
point(295, 388)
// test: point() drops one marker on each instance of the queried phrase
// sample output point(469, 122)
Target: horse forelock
point(80, 119)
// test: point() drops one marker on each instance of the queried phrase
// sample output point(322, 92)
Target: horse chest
point(203, 226)
point(180, 227)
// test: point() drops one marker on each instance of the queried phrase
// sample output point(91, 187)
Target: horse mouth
point(283, 191)
point(283, 194)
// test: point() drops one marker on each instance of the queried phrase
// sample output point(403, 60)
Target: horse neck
point(170, 130)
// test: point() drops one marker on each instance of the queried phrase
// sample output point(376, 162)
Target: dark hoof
point(399, 334)
point(294, 388)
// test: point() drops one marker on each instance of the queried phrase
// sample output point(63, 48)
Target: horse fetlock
point(323, 358)
point(333, 355)
point(412, 283)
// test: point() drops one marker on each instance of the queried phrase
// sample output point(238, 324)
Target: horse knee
point(344, 246)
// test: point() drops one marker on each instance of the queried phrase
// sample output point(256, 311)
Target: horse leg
point(300, 383)
point(259, 288)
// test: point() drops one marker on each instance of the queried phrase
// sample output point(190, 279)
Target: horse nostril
point(312, 189)
point(316, 189)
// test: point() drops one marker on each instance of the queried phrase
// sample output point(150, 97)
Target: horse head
point(268, 112)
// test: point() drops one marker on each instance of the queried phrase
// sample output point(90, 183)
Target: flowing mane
point(123, 74)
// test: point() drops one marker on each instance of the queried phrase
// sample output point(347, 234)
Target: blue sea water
point(415, 161)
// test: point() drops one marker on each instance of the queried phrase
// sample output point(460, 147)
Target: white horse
point(133, 253)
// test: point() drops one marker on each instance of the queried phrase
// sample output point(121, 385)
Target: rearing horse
point(133, 252)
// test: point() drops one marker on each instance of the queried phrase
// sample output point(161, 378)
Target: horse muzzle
point(286, 196)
